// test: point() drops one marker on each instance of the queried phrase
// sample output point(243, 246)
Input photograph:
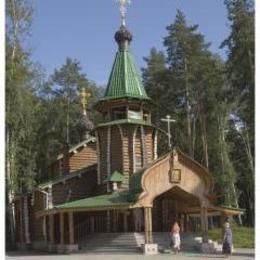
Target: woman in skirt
point(227, 241)
point(175, 236)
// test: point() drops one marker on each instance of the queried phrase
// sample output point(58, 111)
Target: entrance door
point(172, 206)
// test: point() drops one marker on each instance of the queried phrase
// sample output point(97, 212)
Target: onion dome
point(123, 37)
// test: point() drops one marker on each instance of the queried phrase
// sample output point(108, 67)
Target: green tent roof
point(116, 177)
point(124, 80)
point(108, 200)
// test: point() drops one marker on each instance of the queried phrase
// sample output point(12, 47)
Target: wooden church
point(114, 181)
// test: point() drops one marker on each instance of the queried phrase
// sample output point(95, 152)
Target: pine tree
point(193, 85)
point(240, 73)
point(61, 119)
point(185, 47)
point(21, 105)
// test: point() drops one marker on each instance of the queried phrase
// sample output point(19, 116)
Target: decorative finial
point(86, 122)
point(122, 9)
point(84, 95)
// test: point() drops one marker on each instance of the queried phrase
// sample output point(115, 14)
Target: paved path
point(241, 254)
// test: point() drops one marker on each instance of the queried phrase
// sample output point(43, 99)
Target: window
point(119, 115)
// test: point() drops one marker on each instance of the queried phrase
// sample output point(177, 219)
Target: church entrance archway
point(174, 205)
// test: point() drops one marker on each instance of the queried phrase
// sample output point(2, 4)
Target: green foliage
point(241, 73)
point(62, 116)
point(243, 237)
point(21, 104)
point(206, 98)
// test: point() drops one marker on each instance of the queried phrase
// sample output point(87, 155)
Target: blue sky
point(84, 29)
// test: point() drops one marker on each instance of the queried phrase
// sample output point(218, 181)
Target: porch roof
point(227, 210)
point(115, 199)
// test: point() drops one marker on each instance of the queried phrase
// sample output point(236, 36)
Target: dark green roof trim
point(126, 97)
point(108, 200)
point(124, 80)
point(124, 121)
point(116, 177)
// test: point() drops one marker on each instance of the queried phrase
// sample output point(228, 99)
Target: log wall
point(75, 188)
point(116, 156)
point(37, 223)
point(129, 152)
point(83, 157)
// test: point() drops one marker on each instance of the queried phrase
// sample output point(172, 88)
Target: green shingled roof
point(116, 177)
point(115, 199)
point(124, 80)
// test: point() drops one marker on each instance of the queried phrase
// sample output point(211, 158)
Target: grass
point(243, 237)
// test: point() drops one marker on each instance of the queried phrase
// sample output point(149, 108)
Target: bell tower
point(126, 141)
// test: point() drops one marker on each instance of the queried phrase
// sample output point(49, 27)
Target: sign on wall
point(134, 114)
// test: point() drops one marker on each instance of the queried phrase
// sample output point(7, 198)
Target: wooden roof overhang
point(116, 200)
point(216, 211)
point(105, 104)
point(77, 209)
point(74, 148)
point(130, 121)
point(227, 210)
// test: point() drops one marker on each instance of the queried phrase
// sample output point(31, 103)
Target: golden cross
point(85, 95)
point(122, 9)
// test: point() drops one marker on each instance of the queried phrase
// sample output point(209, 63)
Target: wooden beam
point(114, 221)
point(146, 228)
point(125, 222)
point(44, 229)
point(108, 221)
point(148, 225)
point(204, 224)
point(62, 228)
point(51, 229)
point(92, 224)
point(71, 228)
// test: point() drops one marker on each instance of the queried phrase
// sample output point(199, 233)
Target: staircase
point(109, 243)
point(132, 242)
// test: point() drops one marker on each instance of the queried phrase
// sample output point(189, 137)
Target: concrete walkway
point(241, 254)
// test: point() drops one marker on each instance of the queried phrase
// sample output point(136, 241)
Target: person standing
point(175, 236)
point(227, 240)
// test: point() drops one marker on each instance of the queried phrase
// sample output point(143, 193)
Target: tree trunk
point(188, 108)
point(67, 122)
point(194, 134)
point(204, 135)
point(10, 191)
point(236, 202)
point(251, 64)
point(248, 151)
